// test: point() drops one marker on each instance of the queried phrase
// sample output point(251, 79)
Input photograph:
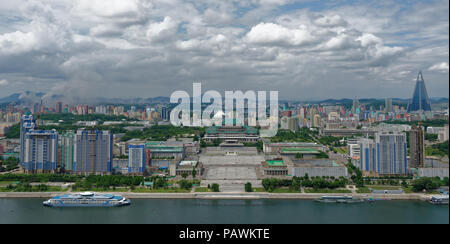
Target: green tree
point(426, 184)
point(215, 187)
point(194, 172)
point(248, 187)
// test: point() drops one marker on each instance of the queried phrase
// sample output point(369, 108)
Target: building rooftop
point(315, 163)
point(299, 150)
point(275, 162)
point(231, 130)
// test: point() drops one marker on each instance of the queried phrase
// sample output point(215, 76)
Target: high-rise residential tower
point(93, 152)
point(391, 150)
point(386, 155)
point(67, 151)
point(40, 151)
point(136, 159)
point(388, 105)
point(417, 149)
point(27, 123)
point(368, 155)
point(355, 105)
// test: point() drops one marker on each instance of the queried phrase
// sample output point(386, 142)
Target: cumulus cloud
point(274, 34)
point(3, 82)
point(441, 67)
point(160, 31)
point(151, 47)
point(17, 42)
point(330, 21)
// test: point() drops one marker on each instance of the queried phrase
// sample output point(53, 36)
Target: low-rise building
point(240, 133)
point(299, 152)
point(187, 167)
point(160, 150)
point(317, 168)
point(4, 128)
point(275, 167)
point(274, 148)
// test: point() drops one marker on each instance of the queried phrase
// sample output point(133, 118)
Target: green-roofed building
point(160, 150)
point(275, 167)
point(299, 151)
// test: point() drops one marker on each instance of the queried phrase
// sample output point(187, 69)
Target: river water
point(195, 211)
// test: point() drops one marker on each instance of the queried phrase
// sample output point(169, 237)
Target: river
point(196, 211)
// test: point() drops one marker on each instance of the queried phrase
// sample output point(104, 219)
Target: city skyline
point(304, 49)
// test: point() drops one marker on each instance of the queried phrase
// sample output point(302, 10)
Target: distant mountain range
point(29, 98)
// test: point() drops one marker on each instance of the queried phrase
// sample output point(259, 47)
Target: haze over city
point(303, 49)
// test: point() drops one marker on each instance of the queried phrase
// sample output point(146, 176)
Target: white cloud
point(161, 31)
point(330, 21)
point(368, 39)
point(17, 42)
point(441, 67)
point(274, 34)
point(101, 8)
point(153, 46)
point(3, 82)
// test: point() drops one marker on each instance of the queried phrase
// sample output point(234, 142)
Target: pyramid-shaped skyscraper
point(420, 100)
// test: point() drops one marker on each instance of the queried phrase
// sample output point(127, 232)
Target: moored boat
point(87, 199)
point(441, 199)
point(339, 199)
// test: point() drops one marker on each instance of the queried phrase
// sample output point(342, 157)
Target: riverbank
point(229, 195)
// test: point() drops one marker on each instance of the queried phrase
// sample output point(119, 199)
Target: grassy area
point(161, 190)
point(377, 187)
point(285, 190)
point(34, 189)
point(327, 191)
point(6, 182)
point(3, 189)
point(202, 189)
point(118, 189)
point(259, 189)
point(341, 150)
point(408, 189)
point(56, 189)
point(364, 189)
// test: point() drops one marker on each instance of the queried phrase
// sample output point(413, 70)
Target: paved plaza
point(231, 172)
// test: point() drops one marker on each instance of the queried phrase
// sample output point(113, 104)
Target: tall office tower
point(368, 155)
point(391, 153)
point(93, 152)
point(289, 123)
point(342, 110)
point(420, 101)
point(164, 113)
point(316, 120)
point(27, 123)
point(355, 106)
point(59, 107)
point(388, 105)
point(35, 109)
point(40, 151)
point(136, 159)
point(312, 113)
point(417, 149)
point(67, 151)
point(301, 114)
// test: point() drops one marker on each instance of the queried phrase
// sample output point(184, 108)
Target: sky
point(148, 48)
